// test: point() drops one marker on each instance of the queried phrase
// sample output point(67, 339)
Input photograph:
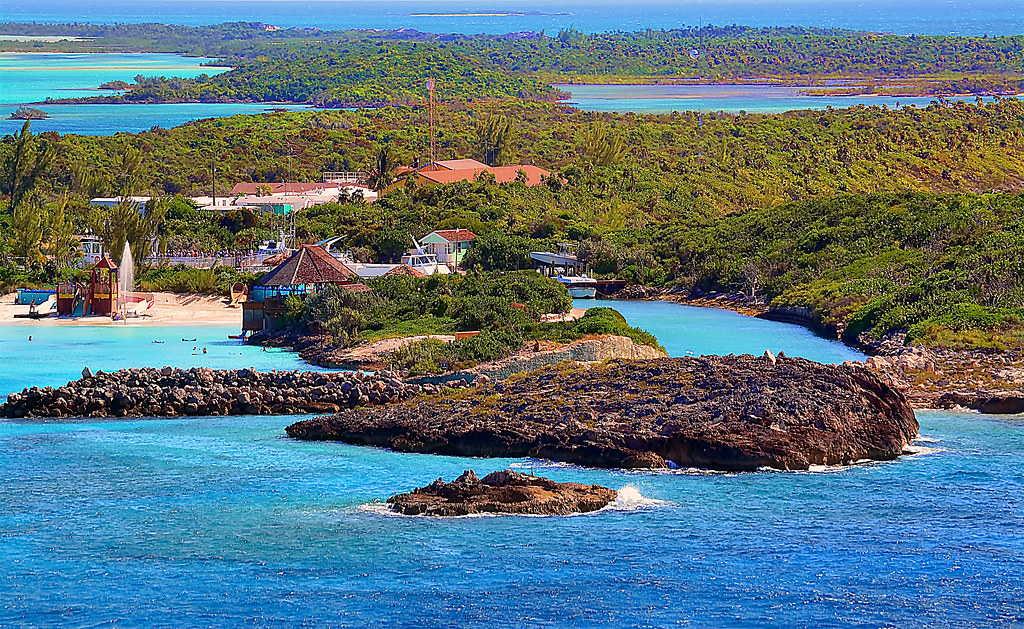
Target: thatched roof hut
point(309, 265)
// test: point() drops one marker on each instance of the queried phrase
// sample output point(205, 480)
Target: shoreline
point(932, 378)
point(168, 309)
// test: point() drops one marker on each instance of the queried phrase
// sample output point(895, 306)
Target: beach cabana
point(307, 270)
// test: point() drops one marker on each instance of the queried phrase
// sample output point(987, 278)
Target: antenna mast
point(433, 134)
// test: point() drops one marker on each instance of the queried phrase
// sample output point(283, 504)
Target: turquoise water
point(111, 119)
point(222, 522)
point(965, 17)
point(33, 77)
point(26, 78)
point(660, 99)
point(57, 353)
point(686, 330)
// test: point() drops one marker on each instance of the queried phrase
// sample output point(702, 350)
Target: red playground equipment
point(102, 298)
point(98, 297)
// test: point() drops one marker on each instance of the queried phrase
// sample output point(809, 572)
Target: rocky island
point(728, 413)
point(504, 492)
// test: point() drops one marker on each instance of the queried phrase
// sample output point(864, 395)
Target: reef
point(727, 413)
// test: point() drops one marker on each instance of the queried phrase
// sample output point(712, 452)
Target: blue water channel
point(34, 77)
point(222, 522)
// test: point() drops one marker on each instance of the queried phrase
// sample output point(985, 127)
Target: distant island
point(114, 85)
point(481, 14)
point(28, 113)
point(323, 68)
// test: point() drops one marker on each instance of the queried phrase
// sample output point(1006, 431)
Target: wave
point(915, 450)
point(629, 498)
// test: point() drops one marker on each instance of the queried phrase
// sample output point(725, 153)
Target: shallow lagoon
point(27, 78)
point(661, 99)
point(223, 521)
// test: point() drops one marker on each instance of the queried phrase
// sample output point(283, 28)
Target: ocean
point(925, 17)
point(223, 521)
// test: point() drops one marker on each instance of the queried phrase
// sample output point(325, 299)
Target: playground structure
point(101, 296)
point(97, 298)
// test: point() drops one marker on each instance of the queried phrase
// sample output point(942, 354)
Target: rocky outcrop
point(987, 381)
point(171, 392)
point(505, 492)
point(584, 350)
point(731, 413)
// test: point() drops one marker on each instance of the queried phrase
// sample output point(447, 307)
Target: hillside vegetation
point(358, 68)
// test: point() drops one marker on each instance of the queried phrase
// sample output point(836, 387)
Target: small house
point(450, 246)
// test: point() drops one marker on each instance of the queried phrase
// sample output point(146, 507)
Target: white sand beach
point(167, 309)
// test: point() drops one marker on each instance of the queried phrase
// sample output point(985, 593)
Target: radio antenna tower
point(433, 133)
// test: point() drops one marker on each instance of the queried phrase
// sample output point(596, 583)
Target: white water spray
point(126, 276)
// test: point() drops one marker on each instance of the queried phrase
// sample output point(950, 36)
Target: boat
point(426, 263)
point(239, 292)
point(579, 286)
point(565, 259)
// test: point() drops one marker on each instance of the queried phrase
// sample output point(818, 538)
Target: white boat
point(564, 260)
point(579, 286)
point(426, 263)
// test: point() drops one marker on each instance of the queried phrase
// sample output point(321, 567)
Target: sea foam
point(629, 498)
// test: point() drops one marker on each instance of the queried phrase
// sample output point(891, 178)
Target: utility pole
point(213, 168)
point(433, 134)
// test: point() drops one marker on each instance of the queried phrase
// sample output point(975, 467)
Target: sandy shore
point(167, 309)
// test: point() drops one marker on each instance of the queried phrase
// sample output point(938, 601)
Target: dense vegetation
point(703, 163)
point(803, 208)
point(504, 308)
point(949, 269)
point(356, 68)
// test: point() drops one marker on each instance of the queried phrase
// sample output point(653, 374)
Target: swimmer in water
point(204, 350)
point(30, 337)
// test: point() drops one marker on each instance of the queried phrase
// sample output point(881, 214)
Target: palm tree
point(381, 173)
point(23, 166)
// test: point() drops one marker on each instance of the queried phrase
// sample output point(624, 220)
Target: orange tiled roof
point(404, 269)
point(502, 174)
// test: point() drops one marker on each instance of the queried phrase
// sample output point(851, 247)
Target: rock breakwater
point(168, 392)
point(504, 492)
point(730, 413)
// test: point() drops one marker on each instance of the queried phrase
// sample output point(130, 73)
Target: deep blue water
point(962, 17)
point(223, 522)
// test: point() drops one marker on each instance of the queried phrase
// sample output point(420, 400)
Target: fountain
point(126, 278)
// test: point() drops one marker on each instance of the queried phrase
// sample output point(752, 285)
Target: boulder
point(503, 492)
